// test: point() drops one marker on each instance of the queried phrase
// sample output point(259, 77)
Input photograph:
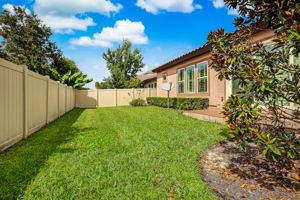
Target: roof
point(146, 76)
point(196, 52)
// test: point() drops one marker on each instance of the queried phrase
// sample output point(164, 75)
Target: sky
point(161, 29)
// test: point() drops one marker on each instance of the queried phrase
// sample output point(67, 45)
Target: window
point(202, 77)
point(164, 76)
point(155, 85)
point(190, 79)
point(180, 74)
point(235, 86)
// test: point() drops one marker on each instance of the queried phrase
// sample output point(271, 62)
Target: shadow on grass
point(20, 164)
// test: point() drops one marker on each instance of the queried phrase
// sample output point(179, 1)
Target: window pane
point(202, 69)
point(181, 87)
point(180, 75)
point(202, 84)
point(190, 79)
point(235, 86)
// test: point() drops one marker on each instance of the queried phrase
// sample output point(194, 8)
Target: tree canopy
point(26, 41)
point(268, 76)
point(123, 65)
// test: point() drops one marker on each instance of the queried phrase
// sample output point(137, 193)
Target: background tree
point(68, 73)
point(269, 81)
point(123, 64)
point(26, 40)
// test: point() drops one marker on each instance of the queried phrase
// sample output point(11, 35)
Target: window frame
point(207, 85)
point(183, 80)
point(165, 76)
point(187, 81)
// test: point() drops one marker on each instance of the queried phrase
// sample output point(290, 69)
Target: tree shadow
point(21, 163)
point(251, 165)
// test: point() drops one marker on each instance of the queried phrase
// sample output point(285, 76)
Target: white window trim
point(202, 78)
point(186, 71)
point(183, 80)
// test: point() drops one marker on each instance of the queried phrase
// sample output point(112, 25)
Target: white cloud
point(10, 8)
point(218, 3)
point(63, 15)
point(154, 6)
point(61, 24)
point(233, 12)
point(221, 4)
point(122, 30)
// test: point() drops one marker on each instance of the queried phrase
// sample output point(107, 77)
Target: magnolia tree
point(268, 76)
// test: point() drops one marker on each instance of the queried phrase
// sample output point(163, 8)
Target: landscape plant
point(268, 76)
point(183, 103)
point(137, 102)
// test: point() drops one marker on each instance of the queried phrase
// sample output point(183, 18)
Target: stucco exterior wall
point(216, 88)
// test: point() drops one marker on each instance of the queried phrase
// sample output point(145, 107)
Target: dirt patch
point(235, 175)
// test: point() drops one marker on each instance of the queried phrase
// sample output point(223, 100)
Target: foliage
point(138, 102)
point(64, 65)
point(26, 40)
point(102, 85)
point(85, 155)
point(123, 64)
point(268, 81)
point(73, 77)
point(180, 103)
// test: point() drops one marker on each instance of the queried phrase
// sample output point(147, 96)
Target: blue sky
point(161, 29)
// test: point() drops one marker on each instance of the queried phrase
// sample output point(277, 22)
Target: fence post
point(25, 110)
point(58, 87)
point(97, 98)
point(66, 92)
point(133, 97)
point(116, 95)
point(47, 98)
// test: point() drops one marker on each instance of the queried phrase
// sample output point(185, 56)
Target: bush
point(138, 102)
point(179, 103)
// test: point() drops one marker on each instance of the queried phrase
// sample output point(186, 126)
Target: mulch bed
point(232, 174)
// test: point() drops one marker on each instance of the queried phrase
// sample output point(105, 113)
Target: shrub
point(138, 102)
point(179, 103)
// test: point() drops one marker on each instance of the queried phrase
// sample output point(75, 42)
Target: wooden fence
point(28, 101)
point(111, 97)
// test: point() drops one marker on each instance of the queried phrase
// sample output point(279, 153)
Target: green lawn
point(110, 153)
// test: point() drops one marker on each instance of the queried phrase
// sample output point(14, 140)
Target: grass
point(110, 153)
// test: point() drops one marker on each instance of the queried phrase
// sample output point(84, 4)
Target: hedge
point(180, 103)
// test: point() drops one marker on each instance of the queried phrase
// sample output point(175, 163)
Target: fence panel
point(36, 101)
point(62, 100)
point(86, 98)
point(107, 98)
point(124, 96)
point(53, 100)
point(11, 103)
point(28, 101)
point(110, 97)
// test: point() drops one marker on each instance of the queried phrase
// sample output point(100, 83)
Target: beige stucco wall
point(147, 84)
point(28, 101)
point(216, 88)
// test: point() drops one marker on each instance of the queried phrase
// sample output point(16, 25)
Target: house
point(192, 76)
point(148, 79)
